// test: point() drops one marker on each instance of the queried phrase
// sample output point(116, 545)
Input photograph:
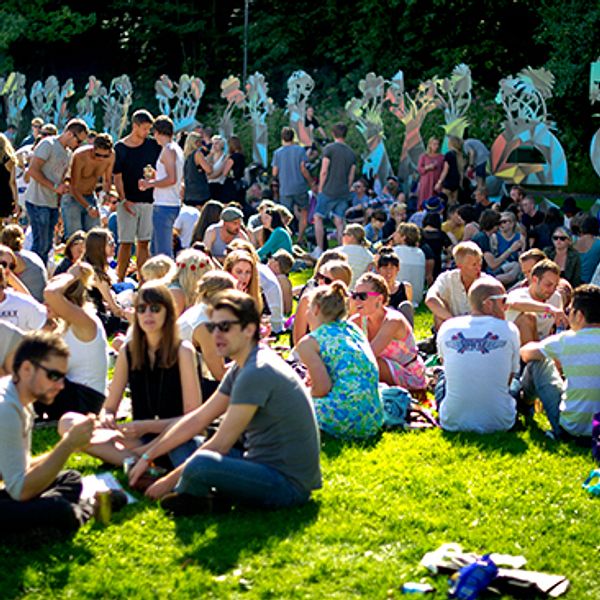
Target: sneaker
point(316, 253)
point(183, 505)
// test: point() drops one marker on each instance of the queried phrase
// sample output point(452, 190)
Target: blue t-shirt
point(288, 159)
point(589, 261)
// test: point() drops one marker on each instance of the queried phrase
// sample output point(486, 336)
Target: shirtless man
point(80, 208)
point(219, 235)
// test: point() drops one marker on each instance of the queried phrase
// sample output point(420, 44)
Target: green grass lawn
point(383, 505)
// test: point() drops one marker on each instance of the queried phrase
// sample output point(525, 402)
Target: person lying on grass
point(341, 366)
point(260, 398)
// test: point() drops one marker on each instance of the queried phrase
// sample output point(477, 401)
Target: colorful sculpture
point(527, 127)
point(230, 91)
point(49, 100)
point(595, 97)
point(412, 113)
point(454, 98)
point(259, 106)
point(86, 107)
point(187, 94)
point(116, 106)
point(15, 98)
point(366, 111)
point(300, 85)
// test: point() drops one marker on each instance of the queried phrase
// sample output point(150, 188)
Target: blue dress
point(353, 407)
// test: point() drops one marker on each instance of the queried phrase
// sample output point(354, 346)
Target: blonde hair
point(7, 150)
point(160, 267)
point(191, 265)
point(212, 283)
point(357, 232)
point(339, 270)
point(377, 282)
point(464, 249)
point(76, 292)
point(192, 143)
point(430, 142)
point(332, 301)
point(254, 286)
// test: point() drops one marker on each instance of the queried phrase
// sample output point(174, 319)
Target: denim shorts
point(295, 200)
point(327, 206)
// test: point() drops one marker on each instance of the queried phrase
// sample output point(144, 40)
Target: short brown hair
point(103, 141)
point(164, 126)
point(532, 254)
point(77, 126)
point(545, 266)
point(339, 130)
point(410, 232)
point(142, 116)
point(37, 346)
point(287, 134)
point(13, 237)
point(242, 305)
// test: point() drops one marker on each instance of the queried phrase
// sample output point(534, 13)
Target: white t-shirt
point(169, 196)
point(412, 269)
point(545, 321)
point(272, 291)
point(190, 319)
point(359, 258)
point(22, 311)
point(185, 222)
point(479, 355)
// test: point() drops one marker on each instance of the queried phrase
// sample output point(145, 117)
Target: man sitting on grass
point(570, 402)
point(36, 493)
point(260, 398)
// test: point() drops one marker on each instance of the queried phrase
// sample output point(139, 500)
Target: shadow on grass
point(333, 447)
point(497, 443)
point(241, 530)
point(51, 554)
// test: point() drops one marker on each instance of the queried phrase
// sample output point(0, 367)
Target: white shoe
point(316, 253)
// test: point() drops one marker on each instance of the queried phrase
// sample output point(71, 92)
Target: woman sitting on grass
point(276, 234)
point(74, 249)
point(341, 366)
point(401, 292)
point(389, 333)
point(191, 266)
point(161, 372)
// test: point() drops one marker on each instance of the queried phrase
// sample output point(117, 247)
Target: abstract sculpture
point(527, 128)
point(49, 100)
point(259, 106)
point(86, 107)
point(230, 91)
point(300, 85)
point(595, 97)
point(366, 111)
point(187, 94)
point(454, 98)
point(116, 106)
point(15, 98)
point(412, 113)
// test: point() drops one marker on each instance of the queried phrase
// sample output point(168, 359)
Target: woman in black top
point(450, 180)
point(437, 240)
point(234, 188)
point(161, 372)
point(387, 264)
point(195, 171)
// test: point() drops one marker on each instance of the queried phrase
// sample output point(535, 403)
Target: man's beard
point(45, 399)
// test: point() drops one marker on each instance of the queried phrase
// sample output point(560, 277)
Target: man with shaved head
point(480, 353)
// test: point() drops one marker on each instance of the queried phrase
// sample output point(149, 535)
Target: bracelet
point(145, 457)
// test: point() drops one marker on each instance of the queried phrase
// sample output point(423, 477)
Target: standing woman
point(450, 179)
point(242, 265)
point(430, 168)
point(195, 171)
point(217, 159)
point(389, 333)
point(8, 185)
point(565, 256)
point(342, 368)
point(234, 189)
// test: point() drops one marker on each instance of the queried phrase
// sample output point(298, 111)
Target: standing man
point(531, 217)
point(47, 170)
point(337, 174)
point(289, 165)
point(477, 159)
point(36, 125)
point(80, 208)
point(134, 214)
point(36, 493)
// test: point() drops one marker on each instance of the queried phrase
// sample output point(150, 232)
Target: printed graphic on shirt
point(488, 342)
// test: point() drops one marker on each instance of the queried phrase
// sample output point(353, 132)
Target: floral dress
point(353, 407)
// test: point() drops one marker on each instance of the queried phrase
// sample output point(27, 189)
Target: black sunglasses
point(154, 308)
point(7, 265)
point(52, 374)
point(326, 280)
point(362, 296)
point(222, 326)
point(101, 155)
point(562, 238)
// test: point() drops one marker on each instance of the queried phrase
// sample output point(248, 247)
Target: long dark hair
point(210, 214)
point(95, 251)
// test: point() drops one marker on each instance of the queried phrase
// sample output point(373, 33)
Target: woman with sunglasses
point(71, 314)
point(161, 372)
point(565, 256)
point(389, 333)
point(341, 366)
point(401, 292)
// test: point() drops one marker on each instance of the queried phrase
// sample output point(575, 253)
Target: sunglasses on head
point(362, 295)
point(326, 280)
point(501, 297)
point(561, 238)
point(222, 326)
point(52, 374)
point(7, 265)
point(142, 307)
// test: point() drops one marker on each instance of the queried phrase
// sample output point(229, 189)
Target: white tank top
point(88, 362)
point(169, 196)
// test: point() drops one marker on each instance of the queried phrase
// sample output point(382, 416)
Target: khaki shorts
point(134, 227)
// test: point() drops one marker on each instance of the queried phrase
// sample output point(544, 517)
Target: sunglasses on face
point(98, 155)
point(362, 295)
point(7, 265)
point(142, 307)
point(222, 326)
point(79, 140)
point(560, 238)
point(51, 374)
point(326, 280)
point(502, 221)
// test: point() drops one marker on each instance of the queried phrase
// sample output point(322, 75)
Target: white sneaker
point(316, 253)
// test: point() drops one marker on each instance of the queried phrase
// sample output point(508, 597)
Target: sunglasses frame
point(222, 326)
point(142, 307)
point(52, 374)
point(362, 296)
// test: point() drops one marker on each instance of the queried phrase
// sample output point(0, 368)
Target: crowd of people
point(172, 259)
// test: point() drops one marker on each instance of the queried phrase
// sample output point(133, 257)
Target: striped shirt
point(579, 354)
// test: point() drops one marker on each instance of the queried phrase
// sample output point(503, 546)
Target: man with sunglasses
point(260, 399)
point(36, 494)
point(47, 169)
point(570, 400)
point(80, 207)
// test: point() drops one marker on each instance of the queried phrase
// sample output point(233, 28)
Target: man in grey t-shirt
point(47, 170)
point(337, 174)
point(261, 399)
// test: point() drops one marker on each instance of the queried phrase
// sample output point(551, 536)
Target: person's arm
point(408, 289)
point(493, 262)
point(275, 171)
point(429, 267)
point(15, 282)
point(13, 187)
point(115, 389)
point(436, 305)
point(533, 306)
point(421, 167)
point(308, 350)
point(307, 176)
point(440, 181)
point(323, 173)
point(170, 178)
point(300, 320)
point(107, 176)
point(209, 239)
point(118, 177)
point(200, 160)
point(83, 325)
point(531, 352)
point(108, 297)
point(275, 241)
point(44, 470)
point(351, 174)
point(35, 172)
point(206, 342)
point(188, 372)
point(227, 167)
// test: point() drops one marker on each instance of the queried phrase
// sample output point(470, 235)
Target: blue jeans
point(238, 479)
point(163, 219)
point(43, 220)
point(76, 217)
point(541, 378)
